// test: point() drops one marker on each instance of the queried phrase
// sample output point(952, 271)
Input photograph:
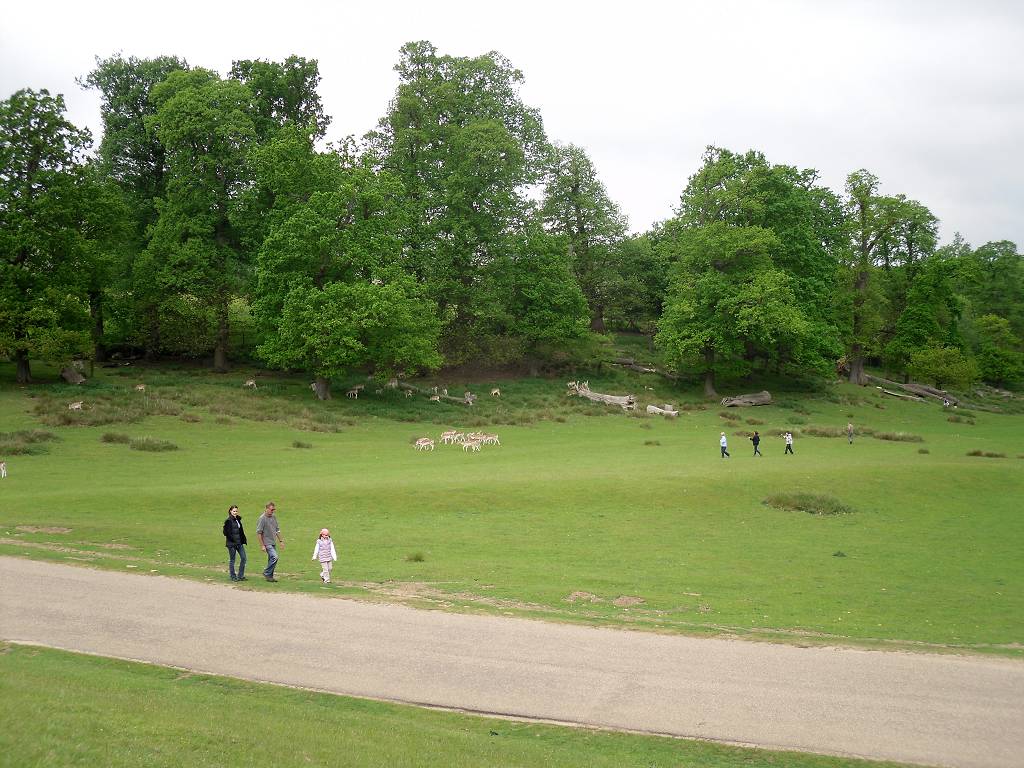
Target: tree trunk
point(857, 365)
point(709, 373)
point(24, 375)
point(597, 320)
point(220, 350)
point(96, 310)
point(322, 387)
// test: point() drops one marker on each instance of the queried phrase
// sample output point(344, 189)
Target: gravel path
point(930, 709)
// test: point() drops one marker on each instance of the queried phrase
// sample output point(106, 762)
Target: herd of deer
point(470, 441)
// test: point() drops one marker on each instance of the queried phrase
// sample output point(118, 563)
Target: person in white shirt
point(323, 550)
point(725, 446)
point(789, 442)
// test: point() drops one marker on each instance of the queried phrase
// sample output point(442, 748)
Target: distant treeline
point(453, 232)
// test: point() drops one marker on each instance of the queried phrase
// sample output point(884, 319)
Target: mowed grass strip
point(639, 508)
point(67, 709)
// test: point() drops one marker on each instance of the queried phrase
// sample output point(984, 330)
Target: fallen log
point(667, 410)
point(921, 390)
point(468, 398)
point(905, 397)
point(582, 389)
point(757, 398)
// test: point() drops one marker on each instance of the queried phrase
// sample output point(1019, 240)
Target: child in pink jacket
point(323, 550)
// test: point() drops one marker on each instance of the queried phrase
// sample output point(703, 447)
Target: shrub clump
point(824, 431)
point(923, 450)
point(25, 442)
point(755, 422)
point(151, 444)
point(301, 444)
point(898, 437)
point(415, 557)
point(729, 415)
point(812, 503)
point(191, 418)
point(652, 442)
point(987, 454)
point(958, 419)
point(115, 437)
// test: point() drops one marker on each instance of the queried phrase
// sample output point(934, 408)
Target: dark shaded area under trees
point(455, 232)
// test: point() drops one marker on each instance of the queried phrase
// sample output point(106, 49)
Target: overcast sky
point(929, 96)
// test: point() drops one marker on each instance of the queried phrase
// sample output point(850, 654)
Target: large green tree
point(43, 250)
point(725, 296)
point(195, 251)
point(745, 190)
point(283, 93)
point(466, 149)
point(576, 205)
point(331, 296)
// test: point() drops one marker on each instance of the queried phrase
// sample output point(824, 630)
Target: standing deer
point(424, 444)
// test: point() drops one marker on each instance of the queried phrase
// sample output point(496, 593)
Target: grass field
point(582, 514)
point(125, 714)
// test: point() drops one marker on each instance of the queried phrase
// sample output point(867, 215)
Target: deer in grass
point(250, 383)
point(448, 437)
point(140, 387)
point(424, 444)
point(495, 392)
point(76, 406)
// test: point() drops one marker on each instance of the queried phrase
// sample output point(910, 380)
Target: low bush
point(987, 454)
point(191, 418)
point(224, 420)
point(115, 437)
point(897, 437)
point(652, 442)
point(151, 444)
point(755, 422)
point(25, 442)
point(824, 431)
point(730, 415)
point(301, 444)
point(958, 419)
point(812, 503)
point(415, 557)
point(923, 450)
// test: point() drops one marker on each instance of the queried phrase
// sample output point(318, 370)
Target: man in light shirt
point(269, 531)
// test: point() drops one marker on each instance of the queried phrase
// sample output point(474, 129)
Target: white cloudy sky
point(927, 95)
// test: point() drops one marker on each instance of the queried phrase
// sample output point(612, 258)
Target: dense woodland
point(213, 220)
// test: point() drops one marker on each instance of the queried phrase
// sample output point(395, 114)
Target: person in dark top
point(756, 440)
point(234, 539)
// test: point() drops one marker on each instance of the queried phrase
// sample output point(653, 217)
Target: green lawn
point(64, 709)
point(607, 505)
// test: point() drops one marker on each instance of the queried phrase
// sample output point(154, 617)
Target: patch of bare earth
point(42, 529)
point(627, 601)
point(585, 597)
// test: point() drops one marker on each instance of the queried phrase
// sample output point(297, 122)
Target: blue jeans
point(240, 549)
point(271, 561)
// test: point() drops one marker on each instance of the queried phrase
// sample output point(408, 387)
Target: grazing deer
point(140, 387)
point(460, 437)
point(408, 393)
point(250, 383)
point(353, 393)
point(471, 445)
point(424, 444)
point(448, 437)
point(495, 392)
point(378, 391)
point(435, 398)
point(491, 440)
point(77, 406)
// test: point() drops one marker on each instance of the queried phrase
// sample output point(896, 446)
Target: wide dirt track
point(930, 709)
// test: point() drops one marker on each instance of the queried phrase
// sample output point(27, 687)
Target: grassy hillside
point(583, 513)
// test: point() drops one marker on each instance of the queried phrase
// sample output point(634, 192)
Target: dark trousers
point(240, 550)
point(757, 451)
point(789, 448)
point(724, 452)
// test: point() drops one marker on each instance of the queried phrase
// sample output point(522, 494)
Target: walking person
point(725, 446)
point(756, 440)
point(849, 432)
point(323, 550)
point(3, 469)
point(269, 531)
point(235, 541)
point(789, 442)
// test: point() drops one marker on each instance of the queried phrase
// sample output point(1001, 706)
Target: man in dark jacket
point(234, 539)
point(756, 440)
